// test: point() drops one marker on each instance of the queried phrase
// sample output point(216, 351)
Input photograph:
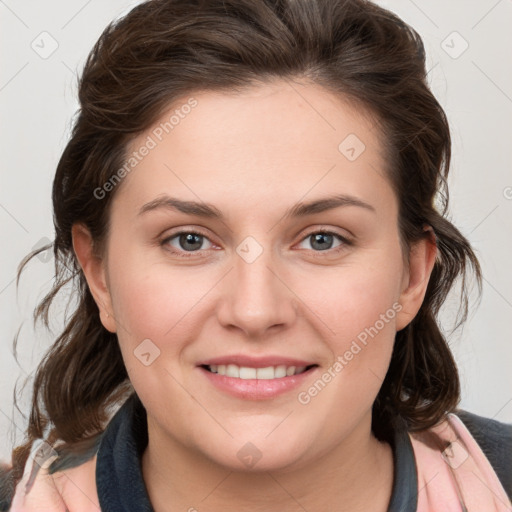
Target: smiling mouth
point(247, 373)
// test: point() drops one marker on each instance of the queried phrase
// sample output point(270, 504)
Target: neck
point(178, 478)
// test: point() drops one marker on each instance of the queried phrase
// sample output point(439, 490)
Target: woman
point(289, 358)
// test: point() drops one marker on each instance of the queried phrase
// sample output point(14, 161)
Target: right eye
point(184, 242)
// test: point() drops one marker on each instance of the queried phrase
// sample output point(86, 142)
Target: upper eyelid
point(186, 232)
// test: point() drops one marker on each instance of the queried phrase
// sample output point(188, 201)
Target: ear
point(422, 257)
point(95, 274)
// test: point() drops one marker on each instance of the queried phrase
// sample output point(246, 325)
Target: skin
point(254, 155)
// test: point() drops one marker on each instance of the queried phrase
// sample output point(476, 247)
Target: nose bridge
point(258, 299)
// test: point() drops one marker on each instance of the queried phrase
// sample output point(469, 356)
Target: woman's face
point(250, 337)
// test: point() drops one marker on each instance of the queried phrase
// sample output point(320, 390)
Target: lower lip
point(256, 389)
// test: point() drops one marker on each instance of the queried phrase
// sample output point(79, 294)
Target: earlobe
point(422, 258)
point(93, 268)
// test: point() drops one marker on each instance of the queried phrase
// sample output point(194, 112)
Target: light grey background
point(474, 85)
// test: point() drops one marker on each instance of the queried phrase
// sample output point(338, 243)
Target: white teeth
point(280, 371)
point(232, 370)
point(245, 372)
point(265, 373)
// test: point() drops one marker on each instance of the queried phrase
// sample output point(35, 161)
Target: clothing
point(427, 467)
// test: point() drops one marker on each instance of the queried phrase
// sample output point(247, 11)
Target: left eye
point(323, 240)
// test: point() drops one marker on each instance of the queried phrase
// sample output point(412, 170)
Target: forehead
point(277, 140)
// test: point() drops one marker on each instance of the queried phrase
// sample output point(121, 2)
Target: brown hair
point(165, 49)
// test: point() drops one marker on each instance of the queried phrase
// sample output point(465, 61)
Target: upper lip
point(255, 362)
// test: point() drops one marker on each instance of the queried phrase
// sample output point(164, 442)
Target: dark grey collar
point(119, 479)
point(404, 497)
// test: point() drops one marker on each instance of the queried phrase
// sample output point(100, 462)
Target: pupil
point(190, 238)
point(321, 237)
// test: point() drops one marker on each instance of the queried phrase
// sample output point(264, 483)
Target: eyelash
point(345, 242)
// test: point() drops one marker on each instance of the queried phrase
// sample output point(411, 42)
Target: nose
point(256, 298)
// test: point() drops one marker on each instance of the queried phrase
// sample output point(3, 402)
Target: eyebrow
point(206, 210)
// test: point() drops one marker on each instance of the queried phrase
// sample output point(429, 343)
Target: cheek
point(150, 297)
point(351, 300)
point(152, 302)
point(363, 318)
point(369, 304)
point(142, 305)
point(152, 307)
point(359, 308)
point(364, 339)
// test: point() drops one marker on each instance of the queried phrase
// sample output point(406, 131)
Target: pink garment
point(454, 475)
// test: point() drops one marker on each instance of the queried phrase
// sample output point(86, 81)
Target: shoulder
point(495, 440)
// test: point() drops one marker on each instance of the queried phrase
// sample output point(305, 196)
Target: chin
point(258, 456)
